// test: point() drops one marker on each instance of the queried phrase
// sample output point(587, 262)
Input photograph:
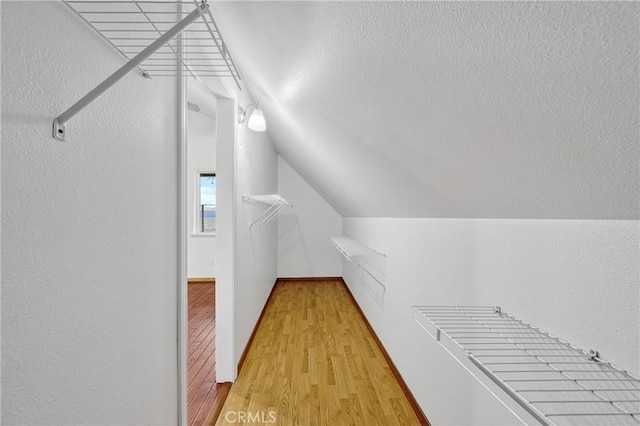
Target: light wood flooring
point(313, 361)
point(204, 395)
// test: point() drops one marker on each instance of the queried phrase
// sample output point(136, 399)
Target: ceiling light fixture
point(256, 120)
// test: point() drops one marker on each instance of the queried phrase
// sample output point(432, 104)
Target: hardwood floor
point(314, 362)
point(204, 395)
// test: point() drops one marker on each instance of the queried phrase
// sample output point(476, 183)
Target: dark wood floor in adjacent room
point(204, 395)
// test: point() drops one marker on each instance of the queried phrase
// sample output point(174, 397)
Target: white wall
point(247, 258)
point(89, 230)
point(256, 248)
point(201, 157)
point(304, 232)
point(577, 280)
point(225, 238)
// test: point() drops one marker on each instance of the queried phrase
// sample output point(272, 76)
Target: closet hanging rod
point(59, 123)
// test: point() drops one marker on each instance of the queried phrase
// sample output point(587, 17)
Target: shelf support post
point(59, 123)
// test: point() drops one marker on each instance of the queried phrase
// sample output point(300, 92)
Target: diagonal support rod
point(59, 123)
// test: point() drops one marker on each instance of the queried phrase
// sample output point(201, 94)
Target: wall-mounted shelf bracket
point(275, 205)
point(59, 131)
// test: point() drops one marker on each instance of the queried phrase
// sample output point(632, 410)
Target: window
point(206, 203)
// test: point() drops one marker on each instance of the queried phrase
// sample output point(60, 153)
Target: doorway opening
point(204, 395)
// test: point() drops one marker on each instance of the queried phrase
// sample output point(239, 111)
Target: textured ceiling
point(450, 109)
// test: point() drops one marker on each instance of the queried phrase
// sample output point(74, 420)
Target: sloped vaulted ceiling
point(450, 109)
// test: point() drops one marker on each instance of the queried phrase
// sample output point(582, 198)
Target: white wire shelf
point(552, 380)
point(274, 202)
point(132, 25)
point(350, 248)
point(355, 252)
point(161, 38)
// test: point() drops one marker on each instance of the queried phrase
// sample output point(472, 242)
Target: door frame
point(182, 235)
point(226, 208)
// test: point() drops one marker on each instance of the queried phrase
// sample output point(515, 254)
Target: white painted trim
point(182, 320)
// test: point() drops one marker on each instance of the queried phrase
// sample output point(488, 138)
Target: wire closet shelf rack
point(552, 380)
point(355, 252)
point(161, 38)
point(130, 26)
point(274, 202)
